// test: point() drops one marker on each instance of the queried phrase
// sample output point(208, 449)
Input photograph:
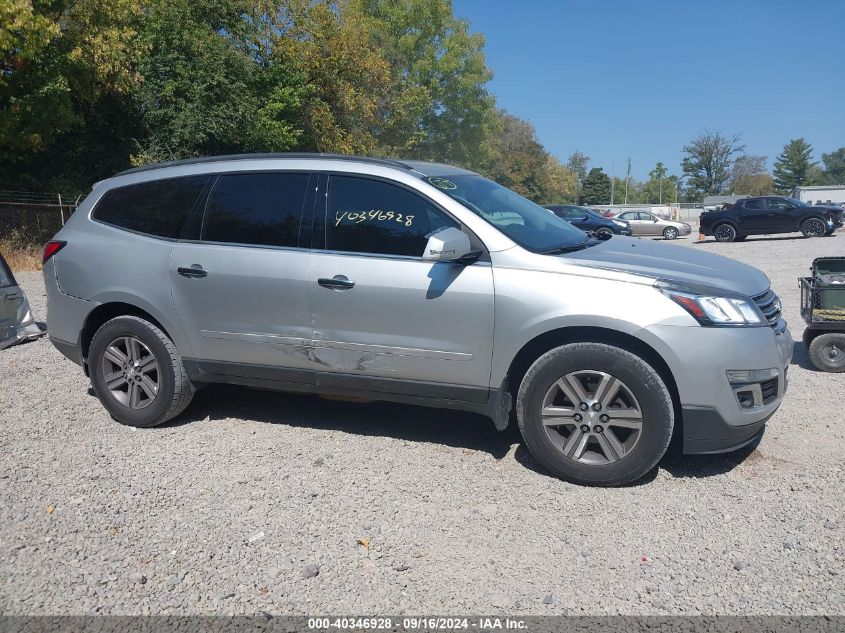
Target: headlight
point(620, 223)
point(715, 310)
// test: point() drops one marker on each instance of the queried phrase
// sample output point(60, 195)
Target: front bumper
point(713, 419)
point(686, 229)
point(705, 432)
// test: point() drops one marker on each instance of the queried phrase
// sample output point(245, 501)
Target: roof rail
point(259, 156)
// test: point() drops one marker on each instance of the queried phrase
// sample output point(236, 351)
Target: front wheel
point(725, 233)
point(670, 233)
point(595, 414)
point(137, 372)
point(604, 233)
point(813, 227)
point(827, 352)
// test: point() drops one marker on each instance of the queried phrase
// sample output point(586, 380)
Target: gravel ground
point(255, 501)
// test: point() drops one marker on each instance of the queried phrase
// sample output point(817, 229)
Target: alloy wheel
point(592, 417)
point(670, 233)
point(725, 233)
point(131, 372)
point(814, 228)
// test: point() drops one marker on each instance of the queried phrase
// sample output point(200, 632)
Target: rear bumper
point(72, 351)
point(705, 431)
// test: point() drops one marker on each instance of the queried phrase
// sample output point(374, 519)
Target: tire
point(604, 233)
point(827, 352)
point(670, 233)
point(813, 227)
point(636, 450)
point(157, 388)
point(724, 233)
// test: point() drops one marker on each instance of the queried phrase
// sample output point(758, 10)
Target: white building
point(822, 194)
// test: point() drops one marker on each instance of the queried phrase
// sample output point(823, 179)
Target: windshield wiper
point(571, 248)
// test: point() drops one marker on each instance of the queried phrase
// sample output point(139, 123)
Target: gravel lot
point(236, 506)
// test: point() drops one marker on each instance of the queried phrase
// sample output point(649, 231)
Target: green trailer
point(823, 309)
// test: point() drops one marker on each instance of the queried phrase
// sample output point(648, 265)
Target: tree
point(354, 102)
point(707, 162)
point(660, 187)
point(834, 167)
point(577, 163)
point(745, 166)
point(560, 184)
point(67, 73)
point(792, 167)
point(754, 185)
point(519, 160)
point(429, 48)
point(596, 188)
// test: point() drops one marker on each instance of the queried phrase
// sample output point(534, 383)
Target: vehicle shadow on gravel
point(801, 357)
point(457, 429)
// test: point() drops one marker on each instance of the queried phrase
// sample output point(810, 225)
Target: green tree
point(659, 188)
point(834, 167)
point(792, 167)
point(429, 48)
point(519, 160)
point(708, 161)
point(560, 184)
point(67, 71)
point(577, 163)
point(596, 188)
point(754, 185)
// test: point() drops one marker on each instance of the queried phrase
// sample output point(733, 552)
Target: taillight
point(50, 249)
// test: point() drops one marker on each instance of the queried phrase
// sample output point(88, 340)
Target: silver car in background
point(418, 283)
point(16, 322)
point(645, 223)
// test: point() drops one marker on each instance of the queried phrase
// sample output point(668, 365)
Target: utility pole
point(627, 178)
point(612, 183)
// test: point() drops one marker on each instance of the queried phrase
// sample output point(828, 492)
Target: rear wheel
point(595, 414)
point(725, 233)
point(827, 351)
point(137, 372)
point(670, 232)
point(813, 227)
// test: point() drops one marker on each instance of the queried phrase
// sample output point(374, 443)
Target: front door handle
point(338, 282)
point(192, 272)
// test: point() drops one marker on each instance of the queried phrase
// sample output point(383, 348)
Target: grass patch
point(20, 257)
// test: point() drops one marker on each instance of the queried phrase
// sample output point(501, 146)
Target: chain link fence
point(30, 219)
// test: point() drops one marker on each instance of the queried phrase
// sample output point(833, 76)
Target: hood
point(683, 264)
point(832, 209)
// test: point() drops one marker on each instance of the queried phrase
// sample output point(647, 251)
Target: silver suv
point(418, 283)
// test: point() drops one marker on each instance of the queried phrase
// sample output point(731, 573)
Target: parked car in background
point(16, 322)
point(765, 215)
point(646, 223)
point(382, 279)
point(590, 221)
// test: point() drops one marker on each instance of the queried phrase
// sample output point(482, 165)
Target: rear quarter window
point(6, 277)
point(157, 207)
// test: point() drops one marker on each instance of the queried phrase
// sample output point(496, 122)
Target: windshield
point(797, 203)
point(528, 224)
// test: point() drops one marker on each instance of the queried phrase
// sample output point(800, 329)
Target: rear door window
point(372, 216)
point(753, 204)
point(157, 207)
point(263, 209)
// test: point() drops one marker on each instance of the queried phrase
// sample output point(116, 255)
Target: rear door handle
point(338, 282)
point(192, 272)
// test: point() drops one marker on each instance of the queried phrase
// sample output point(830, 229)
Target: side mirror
point(450, 245)
point(655, 219)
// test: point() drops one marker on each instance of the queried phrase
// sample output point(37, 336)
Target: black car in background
point(590, 221)
point(770, 214)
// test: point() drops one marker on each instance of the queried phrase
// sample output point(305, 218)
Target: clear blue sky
point(641, 78)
